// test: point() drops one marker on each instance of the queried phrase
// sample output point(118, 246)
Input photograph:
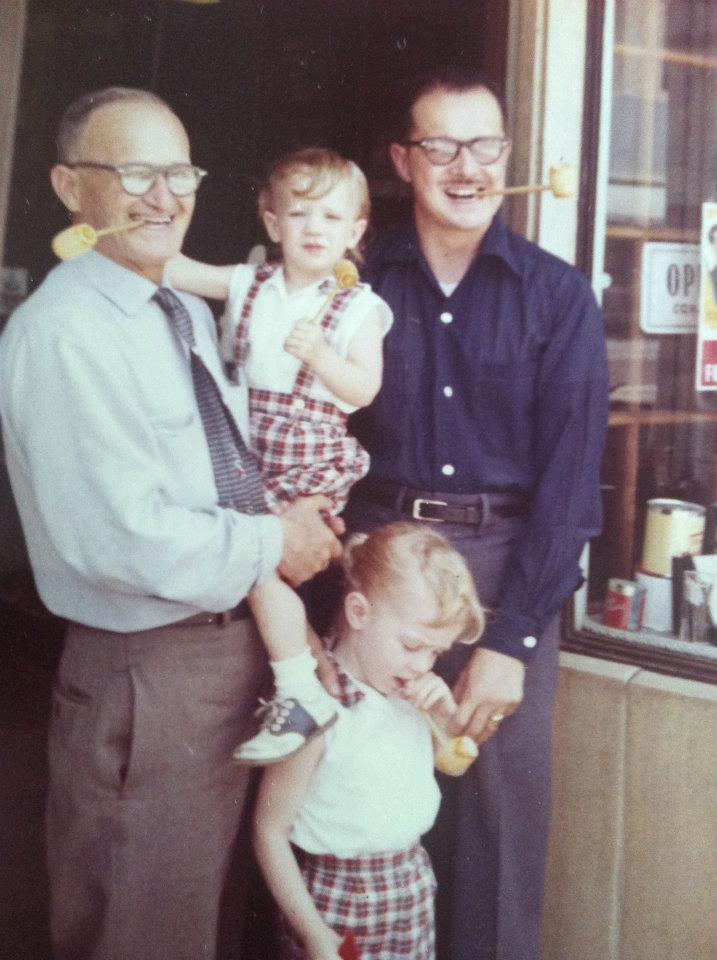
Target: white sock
point(296, 677)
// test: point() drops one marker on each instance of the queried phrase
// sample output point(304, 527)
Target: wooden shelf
point(667, 56)
point(648, 418)
point(660, 234)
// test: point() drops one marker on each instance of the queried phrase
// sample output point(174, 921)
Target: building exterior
point(624, 90)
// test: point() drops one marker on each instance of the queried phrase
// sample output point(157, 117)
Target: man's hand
point(309, 543)
point(491, 685)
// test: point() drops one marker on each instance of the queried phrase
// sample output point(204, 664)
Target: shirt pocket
point(182, 443)
point(504, 401)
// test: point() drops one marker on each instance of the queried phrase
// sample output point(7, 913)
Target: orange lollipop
point(451, 755)
point(346, 276)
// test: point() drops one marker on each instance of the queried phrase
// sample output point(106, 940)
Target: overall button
point(530, 642)
point(448, 469)
point(448, 391)
point(446, 317)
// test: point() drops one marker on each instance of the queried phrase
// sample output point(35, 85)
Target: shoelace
point(273, 713)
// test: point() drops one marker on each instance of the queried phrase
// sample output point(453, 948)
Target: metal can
point(624, 604)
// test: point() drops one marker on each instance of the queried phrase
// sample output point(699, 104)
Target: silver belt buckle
point(416, 510)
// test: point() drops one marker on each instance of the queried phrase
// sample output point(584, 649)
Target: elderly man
point(146, 526)
point(490, 422)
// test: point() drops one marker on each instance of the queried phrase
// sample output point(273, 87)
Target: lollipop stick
point(436, 729)
point(130, 225)
point(346, 276)
point(322, 309)
point(530, 188)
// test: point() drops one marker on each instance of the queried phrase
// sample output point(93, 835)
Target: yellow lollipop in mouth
point(562, 183)
point(81, 237)
point(563, 180)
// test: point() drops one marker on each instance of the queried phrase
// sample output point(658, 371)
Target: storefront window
point(659, 175)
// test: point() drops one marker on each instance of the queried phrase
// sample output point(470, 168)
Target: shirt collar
point(127, 290)
point(402, 246)
point(349, 691)
point(277, 280)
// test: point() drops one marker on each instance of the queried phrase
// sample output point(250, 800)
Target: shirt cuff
point(271, 545)
point(512, 634)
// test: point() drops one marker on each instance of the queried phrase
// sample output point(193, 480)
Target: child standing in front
point(356, 801)
point(311, 353)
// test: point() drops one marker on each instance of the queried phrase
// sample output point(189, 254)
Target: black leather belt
point(240, 612)
point(441, 507)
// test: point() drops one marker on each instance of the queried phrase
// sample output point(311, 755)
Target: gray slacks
point(489, 843)
point(144, 801)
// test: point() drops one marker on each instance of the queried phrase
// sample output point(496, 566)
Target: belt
point(441, 507)
point(240, 612)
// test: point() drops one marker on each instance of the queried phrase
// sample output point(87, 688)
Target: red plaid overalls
point(385, 900)
point(302, 443)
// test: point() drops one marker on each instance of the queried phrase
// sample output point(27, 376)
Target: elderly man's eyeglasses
point(137, 179)
point(443, 150)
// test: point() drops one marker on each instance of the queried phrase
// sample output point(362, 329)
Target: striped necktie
point(235, 470)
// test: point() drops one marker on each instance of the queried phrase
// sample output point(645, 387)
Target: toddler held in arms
point(338, 825)
point(311, 352)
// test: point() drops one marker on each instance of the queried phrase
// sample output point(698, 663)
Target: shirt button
point(530, 642)
point(448, 391)
point(299, 404)
point(448, 469)
point(446, 317)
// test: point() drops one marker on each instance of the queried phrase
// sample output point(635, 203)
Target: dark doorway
point(250, 79)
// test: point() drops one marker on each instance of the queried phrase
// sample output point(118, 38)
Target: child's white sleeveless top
point(375, 789)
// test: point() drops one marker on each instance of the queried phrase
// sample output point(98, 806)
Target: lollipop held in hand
point(345, 274)
point(346, 277)
point(454, 755)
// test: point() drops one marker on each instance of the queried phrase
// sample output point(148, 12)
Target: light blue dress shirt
point(108, 459)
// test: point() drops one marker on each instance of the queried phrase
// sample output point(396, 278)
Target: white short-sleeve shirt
point(274, 314)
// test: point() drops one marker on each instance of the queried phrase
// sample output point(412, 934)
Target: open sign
point(670, 287)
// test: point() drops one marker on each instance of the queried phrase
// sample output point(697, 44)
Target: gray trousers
point(489, 843)
point(144, 801)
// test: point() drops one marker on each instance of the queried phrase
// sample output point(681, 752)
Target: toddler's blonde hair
point(312, 173)
point(399, 554)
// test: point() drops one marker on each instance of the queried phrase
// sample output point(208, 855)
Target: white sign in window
point(670, 287)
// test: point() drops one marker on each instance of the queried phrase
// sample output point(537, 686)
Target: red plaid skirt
point(385, 900)
point(303, 448)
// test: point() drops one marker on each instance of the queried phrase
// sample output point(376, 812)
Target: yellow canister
point(673, 528)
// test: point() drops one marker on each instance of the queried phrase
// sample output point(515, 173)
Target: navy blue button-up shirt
point(500, 386)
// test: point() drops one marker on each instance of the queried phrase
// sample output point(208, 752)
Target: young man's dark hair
point(454, 77)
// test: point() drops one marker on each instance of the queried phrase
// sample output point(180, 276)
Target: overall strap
point(241, 336)
point(329, 321)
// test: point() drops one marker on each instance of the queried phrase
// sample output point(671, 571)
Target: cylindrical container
point(624, 604)
point(673, 528)
point(657, 614)
point(695, 616)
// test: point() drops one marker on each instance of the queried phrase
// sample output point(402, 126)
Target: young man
point(490, 421)
point(146, 526)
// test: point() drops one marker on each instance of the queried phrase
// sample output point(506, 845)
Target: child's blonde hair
point(312, 173)
point(386, 560)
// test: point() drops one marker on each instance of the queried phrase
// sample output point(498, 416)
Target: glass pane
point(663, 166)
